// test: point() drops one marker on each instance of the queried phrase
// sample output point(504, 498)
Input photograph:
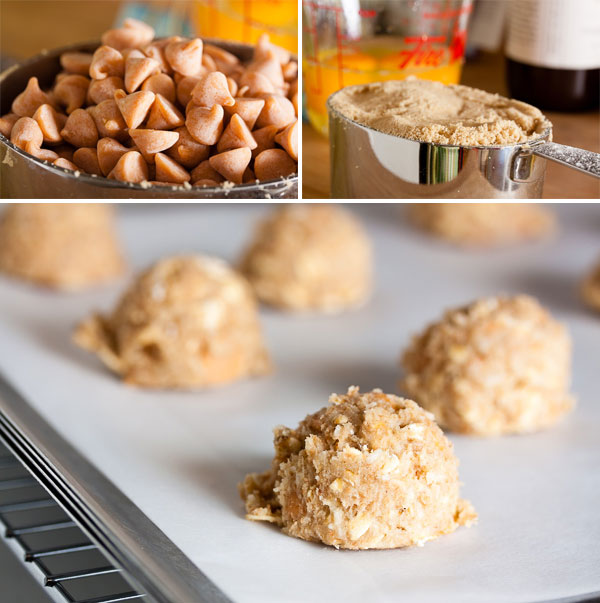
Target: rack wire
point(50, 540)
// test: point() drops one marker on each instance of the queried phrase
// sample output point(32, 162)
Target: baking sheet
point(179, 456)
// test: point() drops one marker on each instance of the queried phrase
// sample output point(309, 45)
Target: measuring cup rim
point(103, 181)
point(543, 137)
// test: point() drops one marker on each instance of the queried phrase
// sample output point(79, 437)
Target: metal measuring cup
point(23, 176)
point(367, 164)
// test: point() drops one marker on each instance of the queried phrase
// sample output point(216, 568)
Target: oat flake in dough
point(186, 322)
point(369, 471)
point(442, 114)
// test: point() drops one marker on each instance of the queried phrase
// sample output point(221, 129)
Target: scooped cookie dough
point(64, 246)
point(433, 112)
point(369, 471)
point(484, 224)
point(499, 365)
point(591, 288)
point(310, 257)
point(185, 322)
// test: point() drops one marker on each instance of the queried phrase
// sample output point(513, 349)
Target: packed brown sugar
point(435, 113)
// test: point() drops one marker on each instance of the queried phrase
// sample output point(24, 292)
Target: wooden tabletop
point(486, 72)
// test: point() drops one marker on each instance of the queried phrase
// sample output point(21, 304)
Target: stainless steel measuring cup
point(24, 176)
point(367, 164)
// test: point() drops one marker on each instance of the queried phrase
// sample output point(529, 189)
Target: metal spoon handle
point(587, 162)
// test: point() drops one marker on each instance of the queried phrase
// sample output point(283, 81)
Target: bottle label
point(558, 34)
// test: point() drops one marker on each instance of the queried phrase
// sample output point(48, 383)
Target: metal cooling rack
point(80, 535)
point(47, 538)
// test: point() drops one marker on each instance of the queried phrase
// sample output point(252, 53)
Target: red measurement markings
point(449, 13)
point(423, 54)
point(367, 14)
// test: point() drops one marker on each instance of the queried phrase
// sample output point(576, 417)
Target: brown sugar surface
point(436, 113)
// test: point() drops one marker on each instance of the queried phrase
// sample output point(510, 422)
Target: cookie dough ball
point(500, 365)
point(185, 322)
point(369, 471)
point(591, 288)
point(60, 245)
point(484, 224)
point(310, 257)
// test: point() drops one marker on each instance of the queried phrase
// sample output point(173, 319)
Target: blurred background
point(29, 26)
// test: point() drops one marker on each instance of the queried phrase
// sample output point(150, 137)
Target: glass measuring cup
point(349, 42)
point(245, 20)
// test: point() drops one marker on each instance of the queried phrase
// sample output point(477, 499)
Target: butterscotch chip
point(203, 172)
point(186, 322)
point(168, 170)
point(7, 122)
point(212, 89)
point(150, 142)
point(66, 246)
point(27, 134)
point(65, 163)
point(265, 139)
point(274, 163)
point(71, 92)
point(65, 151)
point(187, 151)
point(134, 107)
point(247, 108)
point(265, 49)
point(205, 125)
point(86, 159)
point(278, 111)
point(184, 89)
point(225, 61)
point(232, 164)
point(43, 154)
point(309, 257)
point(156, 51)
point(76, 62)
point(290, 72)
point(288, 139)
point(499, 365)
point(232, 85)
point(106, 62)
point(101, 90)
point(133, 34)
point(109, 151)
point(50, 123)
point(236, 135)
point(255, 84)
point(184, 56)
point(80, 129)
point(206, 182)
point(137, 69)
point(131, 167)
point(162, 84)
point(369, 471)
point(484, 224)
point(26, 103)
point(270, 68)
point(109, 121)
point(591, 288)
point(164, 115)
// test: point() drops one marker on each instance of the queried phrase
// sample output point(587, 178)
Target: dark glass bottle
point(553, 53)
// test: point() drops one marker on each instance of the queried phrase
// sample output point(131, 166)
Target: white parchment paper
point(179, 456)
